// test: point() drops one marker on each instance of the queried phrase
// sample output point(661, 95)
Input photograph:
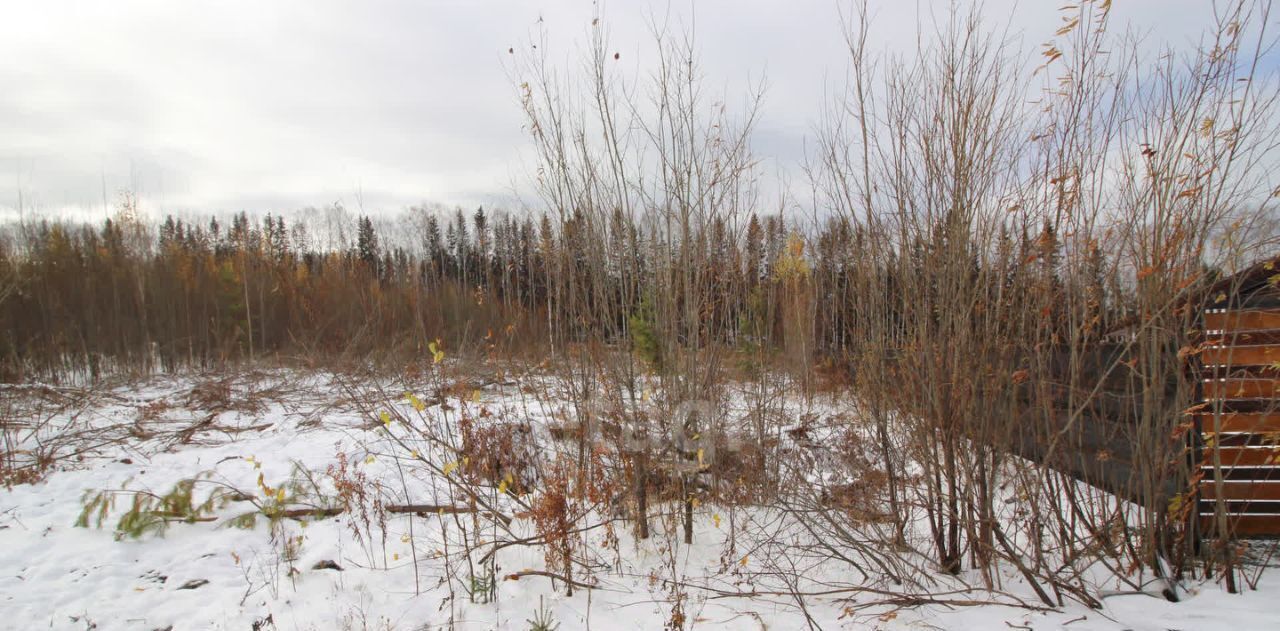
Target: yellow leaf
point(475, 396)
point(716, 519)
point(280, 494)
point(404, 538)
point(386, 418)
point(414, 454)
point(701, 464)
point(370, 459)
point(395, 556)
point(743, 562)
point(450, 468)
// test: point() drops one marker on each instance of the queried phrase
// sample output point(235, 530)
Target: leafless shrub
point(1028, 276)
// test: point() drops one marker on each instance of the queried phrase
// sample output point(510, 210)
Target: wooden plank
point(1244, 456)
point(1237, 508)
point(1237, 422)
point(1243, 338)
point(1261, 491)
point(1242, 389)
point(1245, 406)
point(1244, 474)
point(1271, 371)
point(1246, 525)
point(1254, 320)
point(1240, 356)
point(1227, 439)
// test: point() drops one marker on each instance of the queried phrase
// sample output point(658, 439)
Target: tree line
point(128, 294)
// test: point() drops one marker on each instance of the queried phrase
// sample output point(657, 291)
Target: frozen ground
point(206, 575)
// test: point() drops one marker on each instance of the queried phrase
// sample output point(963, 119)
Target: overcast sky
point(275, 105)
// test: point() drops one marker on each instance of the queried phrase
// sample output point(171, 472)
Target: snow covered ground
point(321, 573)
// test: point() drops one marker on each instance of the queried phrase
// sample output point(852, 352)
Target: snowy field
point(277, 441)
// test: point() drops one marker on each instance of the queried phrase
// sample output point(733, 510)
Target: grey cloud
point(279, 105)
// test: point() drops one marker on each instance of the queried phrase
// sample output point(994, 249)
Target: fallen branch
point(887, 597)
point(442, 509)
point(417, 509)
point(515, 576)
point(301, 513)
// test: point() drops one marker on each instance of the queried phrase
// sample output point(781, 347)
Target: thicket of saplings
point(998, 280)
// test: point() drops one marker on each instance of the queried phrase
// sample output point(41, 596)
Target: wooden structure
point(1238, 421)
point(1234, 450)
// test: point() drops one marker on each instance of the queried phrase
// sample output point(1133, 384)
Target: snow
point(57, 576)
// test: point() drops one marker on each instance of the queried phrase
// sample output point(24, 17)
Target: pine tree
point(367, 243)
point(755, 251)
point(481, 251)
